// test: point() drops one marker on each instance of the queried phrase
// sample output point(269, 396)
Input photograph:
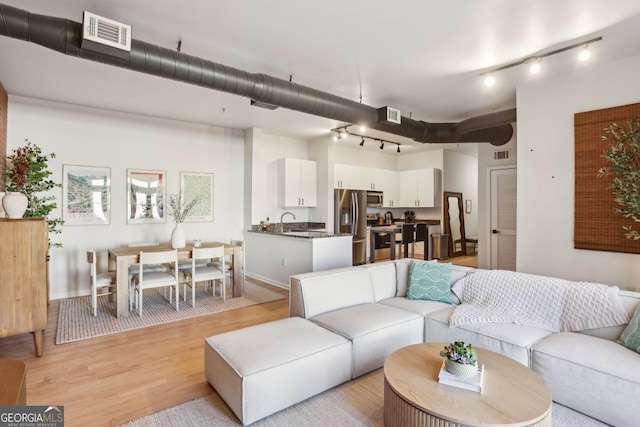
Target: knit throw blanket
point(543, 302)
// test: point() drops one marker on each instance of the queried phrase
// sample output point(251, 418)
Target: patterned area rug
point(359, 402)
point(76, 322)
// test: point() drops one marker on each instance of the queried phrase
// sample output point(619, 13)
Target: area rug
point(76, 321)
point(356, 403)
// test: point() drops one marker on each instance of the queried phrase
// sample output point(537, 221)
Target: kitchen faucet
point(282, 216)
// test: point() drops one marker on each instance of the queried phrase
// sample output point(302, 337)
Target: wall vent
point(501, 155)
point(389, 115)
point(101, 34)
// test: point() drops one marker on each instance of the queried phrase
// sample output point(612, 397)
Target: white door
point(503, 219)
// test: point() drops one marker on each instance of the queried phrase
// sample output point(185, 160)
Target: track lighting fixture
point(343, 132)
point(584, 54)
point(534, 61)
point(489, 80)
point(535, 66)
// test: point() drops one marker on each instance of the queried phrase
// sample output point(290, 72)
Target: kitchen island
point(274, 257)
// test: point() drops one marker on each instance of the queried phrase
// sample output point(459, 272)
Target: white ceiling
point(421, 56)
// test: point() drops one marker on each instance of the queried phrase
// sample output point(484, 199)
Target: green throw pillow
point(430, 281)
point(630, 338)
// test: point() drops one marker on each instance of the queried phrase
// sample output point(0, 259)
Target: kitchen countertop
point(306, 234)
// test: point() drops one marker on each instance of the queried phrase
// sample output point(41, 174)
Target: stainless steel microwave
point(374, 199)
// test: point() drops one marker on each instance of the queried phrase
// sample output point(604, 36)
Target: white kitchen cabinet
point(348, 176)
point(297, 183)
point(388, 184)
point(418, 188)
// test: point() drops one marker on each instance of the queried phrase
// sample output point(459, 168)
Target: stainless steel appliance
point(374, 199)
point(351, 218)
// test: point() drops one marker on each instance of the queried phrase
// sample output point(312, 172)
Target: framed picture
point(467, 206)
point(86, 195)
point(200, 185)
point(146, 193)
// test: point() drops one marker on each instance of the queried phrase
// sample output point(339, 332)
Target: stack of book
point(473, 383)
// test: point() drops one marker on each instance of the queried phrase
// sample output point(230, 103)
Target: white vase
point(177, 237)
point(14, 204)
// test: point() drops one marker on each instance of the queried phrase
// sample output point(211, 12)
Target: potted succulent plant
point(460, 359)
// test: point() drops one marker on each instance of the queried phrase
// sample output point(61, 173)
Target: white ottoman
point(265, 368)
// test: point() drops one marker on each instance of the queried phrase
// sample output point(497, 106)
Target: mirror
point(454, 223)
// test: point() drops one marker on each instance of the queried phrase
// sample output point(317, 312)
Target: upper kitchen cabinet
point(358, 177)
point(418, 188)
point(297, 183)
point(348, 177)
point(388, 184)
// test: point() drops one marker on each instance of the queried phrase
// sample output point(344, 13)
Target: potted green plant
point(28, 174)
point(623, 158)
point(180, 209)
point(460, 359)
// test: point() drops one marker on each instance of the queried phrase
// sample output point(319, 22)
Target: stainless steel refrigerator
point(351, 218)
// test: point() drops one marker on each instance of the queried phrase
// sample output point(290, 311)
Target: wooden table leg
point(122, 285)
point(238, 287)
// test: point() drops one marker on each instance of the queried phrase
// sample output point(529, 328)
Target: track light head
point(535, 66)
point(362, 143)
point(584, 54)
point(381, 145)
point(490, 80)
point(398, 150)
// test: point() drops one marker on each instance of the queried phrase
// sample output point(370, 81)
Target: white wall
point(85, 136)
point(265, 152)
point(546, 172)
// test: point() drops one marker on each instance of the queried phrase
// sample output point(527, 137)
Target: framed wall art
point(86, 195)
point(200, 185)
point(146, 193)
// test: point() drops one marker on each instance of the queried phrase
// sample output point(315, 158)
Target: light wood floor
point(118, 378)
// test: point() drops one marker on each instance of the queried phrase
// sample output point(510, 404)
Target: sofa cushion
point(319, 292)
point(402, 277)
point(421, 307)
point(376, 331)
point(383, 279)
point(630, 338)
point(514, 341)
point(594, 376)
point(429, 281)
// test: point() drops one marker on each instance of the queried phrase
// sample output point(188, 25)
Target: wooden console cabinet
point(24, 292)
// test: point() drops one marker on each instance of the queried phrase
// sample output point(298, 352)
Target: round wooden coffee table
point(511, 394)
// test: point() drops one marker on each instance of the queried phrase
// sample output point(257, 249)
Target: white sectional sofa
point(368, 306)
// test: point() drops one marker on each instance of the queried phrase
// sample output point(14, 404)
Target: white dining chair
point(210, 272)
point(134, 268)
point(157, 279)
point(105, 282)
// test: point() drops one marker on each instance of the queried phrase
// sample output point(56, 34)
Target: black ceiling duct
point(65, 36)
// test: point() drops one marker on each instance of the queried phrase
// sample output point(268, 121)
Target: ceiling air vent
point(501, 155)
point(389, 115)
point(105, 36)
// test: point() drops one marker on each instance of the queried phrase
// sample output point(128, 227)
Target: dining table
point(121, 258)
